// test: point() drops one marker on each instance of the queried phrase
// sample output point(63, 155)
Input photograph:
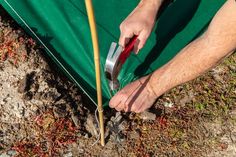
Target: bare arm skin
point(202, 54)
point(196, 58)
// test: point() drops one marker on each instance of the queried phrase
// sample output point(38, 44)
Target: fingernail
point(136, 50)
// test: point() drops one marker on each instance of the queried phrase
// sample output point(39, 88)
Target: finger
point(139, 98)
point(136, 46)
point(126, 108)
point(140, 109)
point(131, 104)
point(115, 101)
point(125, 36)
point(138, 103)
point(136, 106)
point(120, 107)
point(124, 39)
point(144, 106)
point(142, 38)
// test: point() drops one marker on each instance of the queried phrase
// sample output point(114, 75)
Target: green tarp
point(62, 27)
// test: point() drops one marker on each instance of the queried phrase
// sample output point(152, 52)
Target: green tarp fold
point(62, 27)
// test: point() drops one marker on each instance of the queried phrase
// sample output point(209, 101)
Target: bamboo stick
point(89, 8)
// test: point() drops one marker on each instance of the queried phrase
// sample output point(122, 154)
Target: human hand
point(139, 22)
point(135, 97)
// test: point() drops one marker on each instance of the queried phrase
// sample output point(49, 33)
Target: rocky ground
point(42, 113)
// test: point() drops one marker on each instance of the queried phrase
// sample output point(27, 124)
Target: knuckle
point(122, 26)
point(140, 46)
point(145, 25)
point(126, 28)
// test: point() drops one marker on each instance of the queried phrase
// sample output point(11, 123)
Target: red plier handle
point(128, 48)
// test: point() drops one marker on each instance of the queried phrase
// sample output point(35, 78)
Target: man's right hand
point(139, 22)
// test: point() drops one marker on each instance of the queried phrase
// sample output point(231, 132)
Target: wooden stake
point(90, 13)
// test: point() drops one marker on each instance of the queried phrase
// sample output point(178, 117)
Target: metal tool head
point(113, 66)
point(115, 59)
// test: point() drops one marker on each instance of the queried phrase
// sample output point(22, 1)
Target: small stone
point(68, 154)
point(169, 104)
point(81, 150)
point(123, 125)
point(133, 123)
point(90, 126)
point(218, 78)
point(118, 117)
point(134, 135)
point(75, 119)
point(117, 123)
point(86, 136)
point(232, 67)
point(120, 137)
point(11, 153)
point(147, 115)
point(186, 99)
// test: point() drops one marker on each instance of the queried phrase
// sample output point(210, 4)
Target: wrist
point(149, 8)
point(151, 90)
point(158, 82)
point(154, 3)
